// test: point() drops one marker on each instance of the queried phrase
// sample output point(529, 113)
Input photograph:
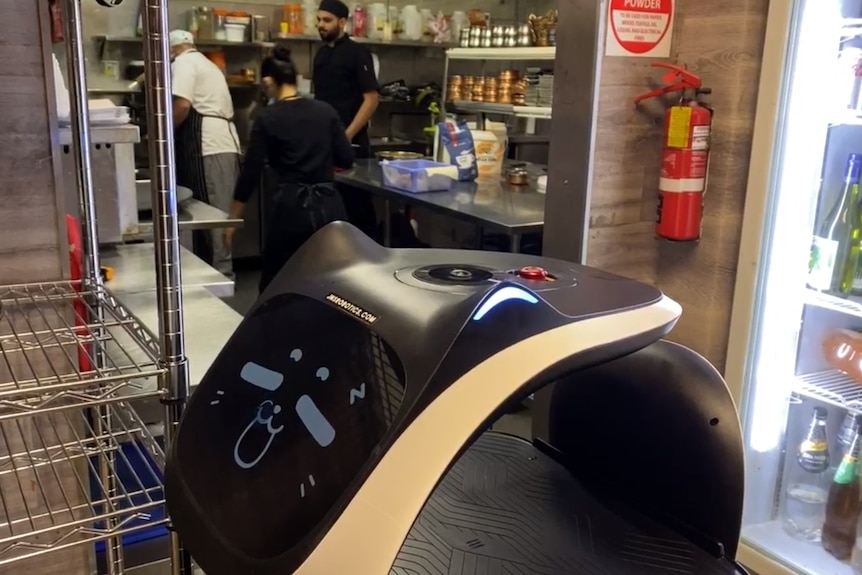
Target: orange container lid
point(220, 12)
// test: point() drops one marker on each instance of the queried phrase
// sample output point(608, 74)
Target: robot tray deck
point(507, 508)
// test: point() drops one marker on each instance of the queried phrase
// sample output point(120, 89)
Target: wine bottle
point(833, 263)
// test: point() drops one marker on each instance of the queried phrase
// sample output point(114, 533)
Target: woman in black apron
point(302, 140)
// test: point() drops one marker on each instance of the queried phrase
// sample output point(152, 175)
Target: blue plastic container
point(136, 471)
point(413, 176)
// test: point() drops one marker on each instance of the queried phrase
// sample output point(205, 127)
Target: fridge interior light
point(800, 139)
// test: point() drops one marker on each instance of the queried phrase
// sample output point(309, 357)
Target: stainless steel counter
point(134, 267)
point(209, 322)
point(122, 134)
point(492, 203)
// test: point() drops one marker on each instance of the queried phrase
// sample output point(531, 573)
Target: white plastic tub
point(235, 32)
point(418, 176)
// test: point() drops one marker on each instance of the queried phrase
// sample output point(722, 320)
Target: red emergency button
point(533, 273)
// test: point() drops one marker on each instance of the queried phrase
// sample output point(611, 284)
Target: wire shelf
point(822, 300)
point(834, 387)
point(63, 345)
point(75, 477)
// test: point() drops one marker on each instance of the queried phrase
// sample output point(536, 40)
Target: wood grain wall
point(29, 240)
point(722, 41)
point(31, 249)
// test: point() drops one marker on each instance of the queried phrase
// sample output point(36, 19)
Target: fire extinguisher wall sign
point(685, 156)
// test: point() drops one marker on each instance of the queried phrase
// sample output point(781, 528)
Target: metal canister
point(464, 40)
point(475, 36)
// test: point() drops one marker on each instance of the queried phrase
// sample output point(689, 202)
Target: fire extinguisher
point(685, 155)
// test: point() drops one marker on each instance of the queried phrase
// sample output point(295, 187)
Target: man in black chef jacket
point(344, 78)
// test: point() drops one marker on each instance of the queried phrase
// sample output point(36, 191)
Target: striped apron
point(188, 151)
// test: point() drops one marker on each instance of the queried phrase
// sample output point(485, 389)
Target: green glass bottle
point(835, 248)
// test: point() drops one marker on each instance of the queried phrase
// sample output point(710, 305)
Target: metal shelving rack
point(520, 54)
point(72, 359)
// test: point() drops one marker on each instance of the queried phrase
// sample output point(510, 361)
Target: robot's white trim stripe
point(367, 537)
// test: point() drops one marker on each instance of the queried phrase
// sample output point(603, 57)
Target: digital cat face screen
point(284, 420)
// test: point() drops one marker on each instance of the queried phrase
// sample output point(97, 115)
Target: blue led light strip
point(503, 294)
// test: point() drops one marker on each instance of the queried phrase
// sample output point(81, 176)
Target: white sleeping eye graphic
point(315, 422)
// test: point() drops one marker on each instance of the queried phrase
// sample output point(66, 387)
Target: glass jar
point(219, 19)
point(293, 15)
point(203, 15)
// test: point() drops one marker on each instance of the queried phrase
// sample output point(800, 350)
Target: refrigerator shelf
point(76, 477)
point(46, 346)
point(803, 556)
point(827, 301)
point(833, 387)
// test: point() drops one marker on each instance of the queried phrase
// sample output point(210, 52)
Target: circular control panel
point(457, 274)
point(466, 278)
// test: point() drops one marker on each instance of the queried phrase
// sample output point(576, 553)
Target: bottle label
point(846, 471)
point(813, 455)
point(822, 263)
point(856, 282)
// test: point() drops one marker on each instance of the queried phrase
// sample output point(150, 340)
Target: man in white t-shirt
point(206, 141)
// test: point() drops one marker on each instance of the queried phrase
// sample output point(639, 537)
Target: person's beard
point(328, 35)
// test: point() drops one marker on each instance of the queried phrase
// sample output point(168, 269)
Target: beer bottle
point(813, 455)
point(842, 504)
point(804, 506)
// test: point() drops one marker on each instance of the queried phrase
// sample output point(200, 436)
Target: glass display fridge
point(795, 349)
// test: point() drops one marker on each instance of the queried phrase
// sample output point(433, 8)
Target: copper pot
point(509, 75)
point(518, 176)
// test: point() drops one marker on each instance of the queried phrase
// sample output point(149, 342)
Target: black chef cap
point(336, 7)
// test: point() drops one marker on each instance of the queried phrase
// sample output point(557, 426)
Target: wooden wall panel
point(28, 213)
point(722, 41)
point(31, 249)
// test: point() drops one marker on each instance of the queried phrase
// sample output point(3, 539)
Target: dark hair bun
point(279, 66)
point(281, 52)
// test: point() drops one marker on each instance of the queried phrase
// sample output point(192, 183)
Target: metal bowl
point(399, 155)
point(518, 176)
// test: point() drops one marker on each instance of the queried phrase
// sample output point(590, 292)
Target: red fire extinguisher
point(685, 155)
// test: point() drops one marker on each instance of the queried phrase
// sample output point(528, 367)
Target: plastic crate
point(418, 176)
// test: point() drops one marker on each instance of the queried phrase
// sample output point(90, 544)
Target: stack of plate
point(545, 91)
point(540, 88)
point(531, 94)
point(103, 112)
